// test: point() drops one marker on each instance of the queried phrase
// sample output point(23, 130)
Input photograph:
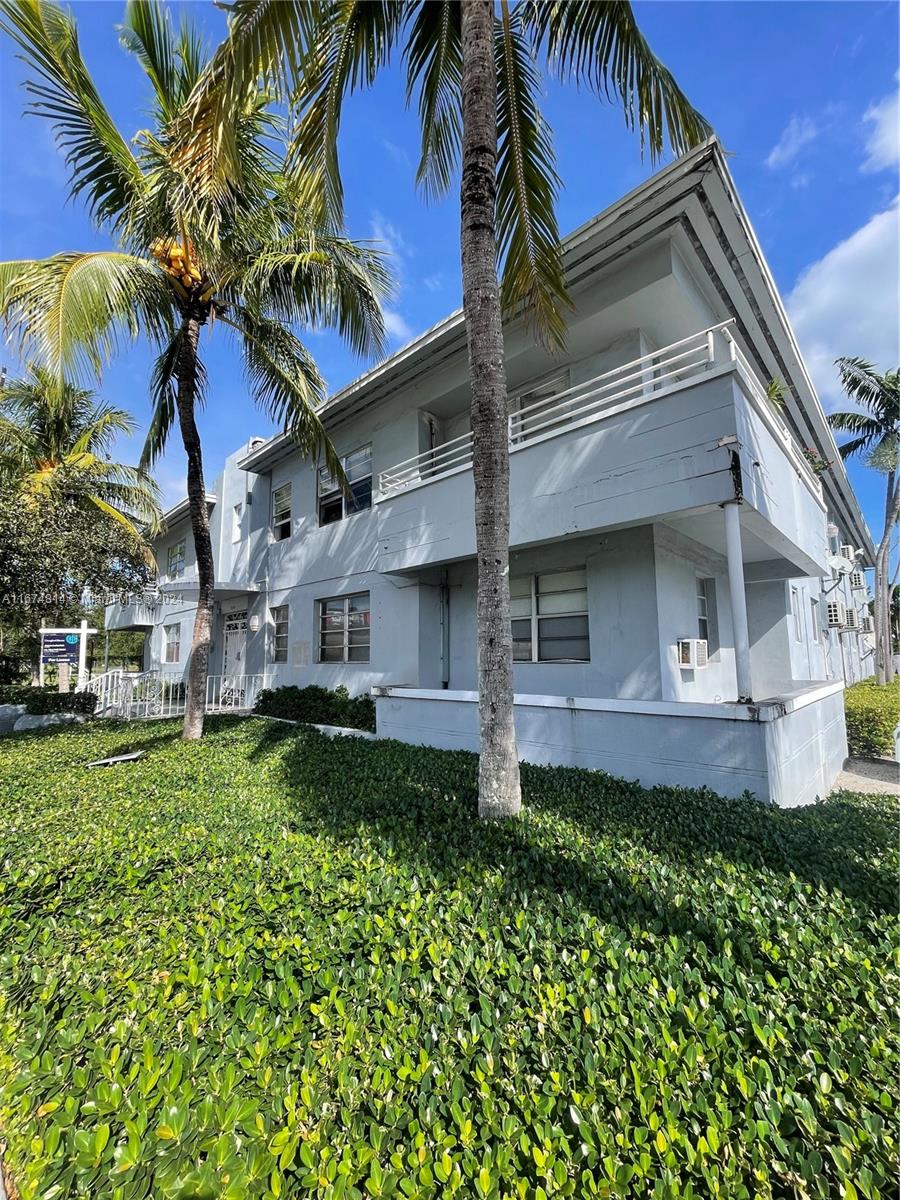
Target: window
point(533, 410)
point(814, 618)
point(236, 514)
point(344, 629)
point(279, 652)
point(175, 561)
point(549, 617)
point(707, 615)
point(172, 643)
point(798, 616)
point(281, 513)
point(334, 505)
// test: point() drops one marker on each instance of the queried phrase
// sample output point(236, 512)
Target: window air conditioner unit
point(836, 614)
point(692, 653)
point(851, 619)
point(858, 581)
point(847, 551)
point(868, 624)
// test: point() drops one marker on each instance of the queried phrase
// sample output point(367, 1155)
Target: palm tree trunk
point(198, 668)
point(499, 793)
point(884, 658)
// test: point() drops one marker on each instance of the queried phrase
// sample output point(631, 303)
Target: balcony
point(135, 615)
point(654, 437)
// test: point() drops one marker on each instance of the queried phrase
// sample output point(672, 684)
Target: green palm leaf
point(434, 66)
point(100, 162)
point(527, 186)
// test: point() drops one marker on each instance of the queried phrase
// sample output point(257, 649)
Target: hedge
point(270, 964)
point(47, 700)
point(318, 706)
point(873, 713)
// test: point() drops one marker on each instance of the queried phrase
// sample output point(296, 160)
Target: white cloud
point(798, 132)
point(435, 282)
point(398, 154)
point(848, 303)
point(397, 327)
point(883, 139)
point(390, 237)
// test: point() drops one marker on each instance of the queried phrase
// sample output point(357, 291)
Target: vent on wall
point(868, 624)
point(692, 653)
point(858, 580)
point(835, 614)
point(851, 619)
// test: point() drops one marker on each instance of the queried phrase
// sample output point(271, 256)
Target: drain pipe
point(445, 631)
point(738, 600)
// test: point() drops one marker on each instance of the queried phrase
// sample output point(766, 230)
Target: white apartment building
point(688, 592)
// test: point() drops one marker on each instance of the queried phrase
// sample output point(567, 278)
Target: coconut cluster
point(181, 265)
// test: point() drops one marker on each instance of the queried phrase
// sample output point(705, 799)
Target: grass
point(274, 965)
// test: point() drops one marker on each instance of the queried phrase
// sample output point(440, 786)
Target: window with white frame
point(280, 619)
point(344, 631)
point(334, 504)
point(550, 617)
point(533, 410)
point(236, 516)
point(172, 643)
point(707, 615)
point(281, 513)
point(798, 615)
point(175, 560)
point(814, 618)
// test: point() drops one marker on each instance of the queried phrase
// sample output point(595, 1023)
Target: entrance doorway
point(235, 647)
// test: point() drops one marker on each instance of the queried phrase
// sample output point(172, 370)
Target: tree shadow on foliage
point(584, 841)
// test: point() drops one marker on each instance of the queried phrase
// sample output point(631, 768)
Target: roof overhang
point(694, 202)
point(182, 510)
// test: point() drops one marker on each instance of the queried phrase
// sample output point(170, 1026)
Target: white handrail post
point(738, 595)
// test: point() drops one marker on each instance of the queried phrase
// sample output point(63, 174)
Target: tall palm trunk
point(198, 668)
point(884, 650)
point(498, 782)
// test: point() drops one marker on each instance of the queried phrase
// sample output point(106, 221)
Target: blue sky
point(802, 95)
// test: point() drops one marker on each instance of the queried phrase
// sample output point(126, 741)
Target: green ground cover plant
point(873, 713)
point(318, 706)
point(270, 964)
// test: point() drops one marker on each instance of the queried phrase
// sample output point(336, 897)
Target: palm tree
point(254, 260)
point(875, 432)
point(473, 68)
point(56, 439)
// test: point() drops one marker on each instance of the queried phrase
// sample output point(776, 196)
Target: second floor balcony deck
point(677, 429)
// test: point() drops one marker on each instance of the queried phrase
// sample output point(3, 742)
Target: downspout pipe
point(445, 630)
point(738, 594)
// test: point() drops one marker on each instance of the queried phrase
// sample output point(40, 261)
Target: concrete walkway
point(876, 776)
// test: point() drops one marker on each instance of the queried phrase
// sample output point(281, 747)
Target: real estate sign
point(60, 648)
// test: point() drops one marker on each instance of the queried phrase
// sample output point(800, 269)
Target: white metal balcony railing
point(132, 695)
point(644, 379)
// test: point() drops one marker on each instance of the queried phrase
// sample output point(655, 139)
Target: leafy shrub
point(318, 706)
point(270, 964)
point(16, 693)
point(43, 701)
point(873, 713)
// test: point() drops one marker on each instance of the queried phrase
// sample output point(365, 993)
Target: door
point(235, 626)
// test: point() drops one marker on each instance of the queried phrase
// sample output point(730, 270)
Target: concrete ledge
point(328, 730)
point(9, 714)
point(45, 720)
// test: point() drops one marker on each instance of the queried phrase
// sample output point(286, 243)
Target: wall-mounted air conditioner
point(858, 581)
point(868, 623)
point(851, 622)
point(835, 614)
point(847, 551)
point(692, 653)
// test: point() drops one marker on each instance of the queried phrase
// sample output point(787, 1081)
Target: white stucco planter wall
point(787, 751)
point(45, 720)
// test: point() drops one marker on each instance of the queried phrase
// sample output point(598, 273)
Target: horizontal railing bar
point(406, 461)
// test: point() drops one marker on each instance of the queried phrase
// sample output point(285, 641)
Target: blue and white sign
point(60, 648)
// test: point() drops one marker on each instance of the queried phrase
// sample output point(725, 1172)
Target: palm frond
point(527, 186)
point(322, 280)
point(862, 383)
point(285, 382)
point(434, 66)
point(601, 47)
point(349, 42)
point(70, 312)
point(147, 33)
point(100, 162)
